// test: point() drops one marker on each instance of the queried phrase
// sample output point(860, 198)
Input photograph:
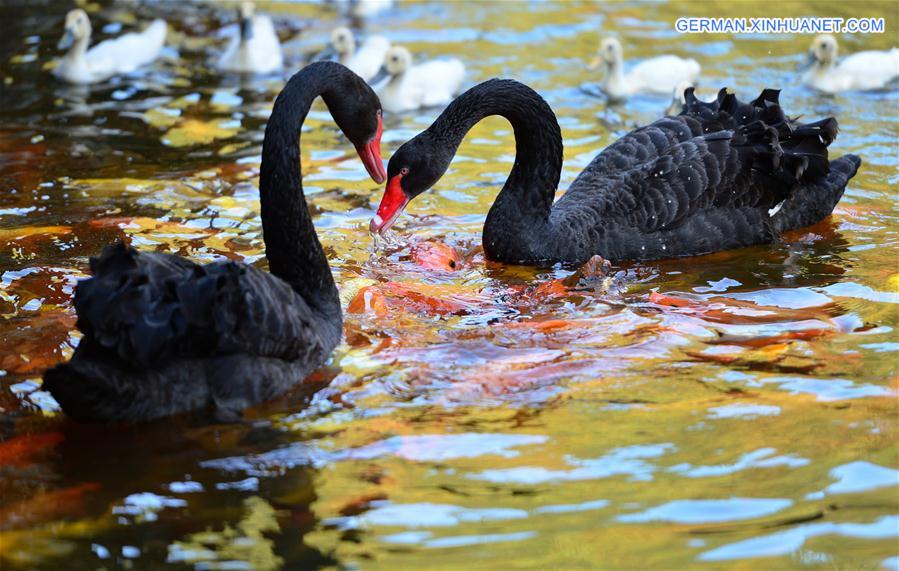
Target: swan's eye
point(404, 171)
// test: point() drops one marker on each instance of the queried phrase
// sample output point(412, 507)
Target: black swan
point(163, 335)
point(720, 175)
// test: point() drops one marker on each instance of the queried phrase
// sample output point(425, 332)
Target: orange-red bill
point(392, 204)
point(370, 153)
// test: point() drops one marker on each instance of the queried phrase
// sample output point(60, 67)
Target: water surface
point(736, 410)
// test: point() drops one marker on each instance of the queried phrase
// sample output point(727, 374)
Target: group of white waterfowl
point(402, 85)
point(254, 48)
point(862, 71)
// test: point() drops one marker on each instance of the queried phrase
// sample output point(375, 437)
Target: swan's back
point(155, 325)
point(154, 307)
point(695, 118)
point(721, 175)
point(439, 80)
point(662, 74)
point(368, 58)
point(871, 69)
point(261, 53)
point(127, 52)
point(433, 82)
point(427, 84)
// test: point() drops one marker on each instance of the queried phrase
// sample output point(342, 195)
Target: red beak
point(370, 153)
point(391, 207)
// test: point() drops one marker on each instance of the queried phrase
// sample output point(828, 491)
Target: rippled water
point(731, 411)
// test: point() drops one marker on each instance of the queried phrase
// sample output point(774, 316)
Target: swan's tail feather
point(806, 148)
point(796, 153)
point(759, 147)
point(150, 308)
point(123, 306)
point(783, 160)
point(695, 107)
point(813, 202)
point(767, 96)
point(786, 158)
point(827, 129)
point(727, 100)
point(728, 112)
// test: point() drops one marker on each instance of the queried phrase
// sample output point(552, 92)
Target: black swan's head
point(414, 168)
point(417, 165)
point(357, 111)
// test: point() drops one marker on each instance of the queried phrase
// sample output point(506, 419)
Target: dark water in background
point(742, 416)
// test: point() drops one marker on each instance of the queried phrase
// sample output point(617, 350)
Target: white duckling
point(108, 58)
point(859, 71)
point(367, 60)
point(256, 48)
point(660, 74)
point(411, 87)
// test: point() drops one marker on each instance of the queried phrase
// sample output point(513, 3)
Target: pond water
point(736, 410)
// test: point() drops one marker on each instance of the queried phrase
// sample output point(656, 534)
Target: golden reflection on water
point(731, 411)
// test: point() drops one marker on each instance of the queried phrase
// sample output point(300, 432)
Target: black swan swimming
point(720, 175)
point(163, 335)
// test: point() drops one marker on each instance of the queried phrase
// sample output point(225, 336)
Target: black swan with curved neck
point(720, 175)
point(163, 335)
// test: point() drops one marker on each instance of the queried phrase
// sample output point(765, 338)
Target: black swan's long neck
point(518, 220)
point(291, 244)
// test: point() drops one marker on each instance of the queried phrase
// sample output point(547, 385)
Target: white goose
point(367, 60)
point(256, 48)
point(411, 87)
point(860, 71)
point(660, 74)
point(108, 58)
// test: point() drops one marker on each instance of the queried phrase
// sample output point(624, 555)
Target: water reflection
point(791, 540)
point(630, 461)
point(718, 409)
point(709, 511)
